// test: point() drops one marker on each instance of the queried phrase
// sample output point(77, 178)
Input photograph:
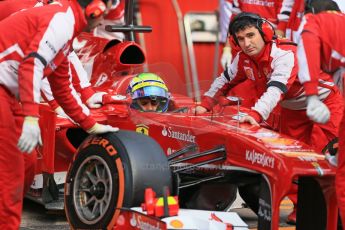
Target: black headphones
point(308, 6)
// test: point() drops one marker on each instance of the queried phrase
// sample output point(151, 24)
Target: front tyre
point(111, 171)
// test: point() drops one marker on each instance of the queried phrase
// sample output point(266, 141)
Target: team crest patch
point(143, 129)
point(249, 73)
point(265, 70)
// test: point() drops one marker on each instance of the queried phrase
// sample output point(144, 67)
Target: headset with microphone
point(265, 28)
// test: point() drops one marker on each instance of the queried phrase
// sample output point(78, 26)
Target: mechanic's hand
point(60, 112)
point(333, 160)
point(31, 135)
point(95, 101)
point(199, 109)
point(99, 128)
point(226, 57)
point(280, 33)
point(250, 120)
point(316, 110)
point(116, 99)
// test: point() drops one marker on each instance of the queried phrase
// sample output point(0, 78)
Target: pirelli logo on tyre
point(143, 129)
point(97, 140)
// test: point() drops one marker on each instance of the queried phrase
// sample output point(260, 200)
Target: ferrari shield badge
point(143, 129)
point(249, 73)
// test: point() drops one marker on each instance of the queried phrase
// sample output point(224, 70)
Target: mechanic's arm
point(47, 94)
point(309, 62)
point(71, 103)
point(79, 77)
point(232, 76)
point(308, 52)
point(284, 9)
point(225, 13)
point(82, 84)
point(40, 52)
point(48, 97)
point(283, 75)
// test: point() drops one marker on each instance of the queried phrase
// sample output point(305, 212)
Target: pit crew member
point(298, 10)
point(275, 11)
point(272, 65)
point(37, 45)
point(114, 15)
point(79, 76)
point(321, 49)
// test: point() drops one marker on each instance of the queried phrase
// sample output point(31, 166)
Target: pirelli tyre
point(110, 171)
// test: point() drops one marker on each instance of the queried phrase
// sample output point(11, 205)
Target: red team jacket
point(332, 56)
point(276, 67)
point(38, 46)
point(275, 11)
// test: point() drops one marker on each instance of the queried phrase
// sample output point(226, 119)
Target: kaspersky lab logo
point(169, 132)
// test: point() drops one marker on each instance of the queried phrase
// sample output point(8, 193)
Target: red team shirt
point(276, 67)
point(51, 49)
point(322, 48)
point(319, 50)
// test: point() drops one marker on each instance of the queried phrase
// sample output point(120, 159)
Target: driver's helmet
point(149, 87)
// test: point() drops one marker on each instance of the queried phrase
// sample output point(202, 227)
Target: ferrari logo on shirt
point(249, 73)
point(265, 70)
point(143, 129)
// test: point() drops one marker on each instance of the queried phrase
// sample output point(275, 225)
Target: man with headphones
point(275, 11)
point(271, 64)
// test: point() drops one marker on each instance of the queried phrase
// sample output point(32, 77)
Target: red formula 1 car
point(201, 158)
point(198, 157)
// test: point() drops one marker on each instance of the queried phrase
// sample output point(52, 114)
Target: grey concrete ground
point(36, 217)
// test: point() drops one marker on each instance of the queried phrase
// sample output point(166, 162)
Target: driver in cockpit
point(149, 93)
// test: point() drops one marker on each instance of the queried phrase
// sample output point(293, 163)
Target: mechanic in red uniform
point(296, 16)
point(79, 76)
point(113, 16)
point(37, 45)
point(321, 48)
point(272, 66)
point(80, 80)
point(275, 11)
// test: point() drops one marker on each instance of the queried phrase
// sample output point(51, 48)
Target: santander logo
point(183, 136)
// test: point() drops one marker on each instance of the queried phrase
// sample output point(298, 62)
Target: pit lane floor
point(36, 217)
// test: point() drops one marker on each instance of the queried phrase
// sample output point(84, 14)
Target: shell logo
point(176, 224)
point(164, 132)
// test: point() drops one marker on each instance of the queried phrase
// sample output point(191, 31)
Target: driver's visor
point(150, 91)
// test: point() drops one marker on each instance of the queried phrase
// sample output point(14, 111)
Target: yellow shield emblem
point(143, 129)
